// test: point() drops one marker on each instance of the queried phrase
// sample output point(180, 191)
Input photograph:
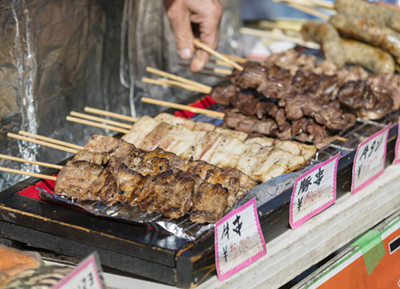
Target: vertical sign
point(313, 192)
point(369, 161)
point(397, 148)
point(239, 241)
point(85, 275)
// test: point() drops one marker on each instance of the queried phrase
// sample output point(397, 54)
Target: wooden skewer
point(99, 119)
point(342, 138)
point(216, 54)
point(182, 85)
point(50, 140)
point(96, 124)
point(175, 77)
point(43, 143)
point(171, 83)
point(235, 58)
point(222, 63)
point(309, 10)
point(58, 167)
point(223, 71)
point(39, 176)
point(267, 34)
point(110, 114)
point(183, 107)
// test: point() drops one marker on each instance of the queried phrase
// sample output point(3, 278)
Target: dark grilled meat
point(199, 168)
point(75, 179)
point(105, 187)
point(130, 182)
point(130, 161)
point(276, 89)
point(357, 94)
point(250, 77)
point(209, 203)
point(223, 95)
point(96, 158)
point(219, 176)
point(383, 106)
point(175, 162)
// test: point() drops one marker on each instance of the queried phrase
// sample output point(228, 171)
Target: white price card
point(369, 161)
point(397, 148)
point(239, 241)
point(85, 276)
point(313, 192)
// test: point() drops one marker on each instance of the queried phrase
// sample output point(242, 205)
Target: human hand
point(207, 15)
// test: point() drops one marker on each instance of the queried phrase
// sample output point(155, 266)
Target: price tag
point(85, 276)
point(369, 161)
point(397, 148)
point(313, 192)
point(239, 241)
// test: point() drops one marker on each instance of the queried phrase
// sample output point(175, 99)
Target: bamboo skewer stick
point(308, 10)
point(58, 167)
point(50, 140)
point(183, 107)
point(223, 71)
point(235, 58)
point(96, 124)
point(99, 119)
point(39, 176)
point(222, 63)
point(267, 34)
point(175, 77)
point(171, 83)
point(43, 143)
point(182, 85)
point(216, 54)
point(110, 114)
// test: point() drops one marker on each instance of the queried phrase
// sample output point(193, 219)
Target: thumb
point(179, 17)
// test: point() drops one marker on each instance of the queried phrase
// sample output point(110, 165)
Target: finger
point(179, 17)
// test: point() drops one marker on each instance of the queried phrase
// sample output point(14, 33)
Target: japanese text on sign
point(85, 276)
point(238, 240)
point(313, 192)
point(369, 161)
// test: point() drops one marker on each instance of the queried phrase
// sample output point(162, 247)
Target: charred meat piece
point(218, 176)
point(300, 126)
point(383, 106)
point(246, 103)
point(321, 85)
point(246, 182)
point(153, 166)
point(357, 94)
point(75, 178)
point(317, 132)
point(278, 73)
point(179, 201)
point(175, 162)
point(130, 182)
point(276, 89)
point(199, 168)
point(96, 158)
point(209, 203)
point(250, 77)
point(265, 126)
point(390, 82)
point(105, 187)
point(223, 95)
point(130, 161)
point(124, 148)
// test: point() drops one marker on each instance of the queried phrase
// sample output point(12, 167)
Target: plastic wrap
point(60, 56)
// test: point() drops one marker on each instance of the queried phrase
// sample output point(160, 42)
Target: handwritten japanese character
point(378, 143)
point(364, 153)
point(238, 225)
point(372, 148)
point(319, 176)
point(299, 203)
point(225, 253)
point(305, 183)
point(225, 232)
point(359, 171)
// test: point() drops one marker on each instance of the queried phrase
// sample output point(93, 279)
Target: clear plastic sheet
point(60, 56)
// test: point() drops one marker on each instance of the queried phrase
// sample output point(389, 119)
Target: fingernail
point(197, 64)
point(184, 53)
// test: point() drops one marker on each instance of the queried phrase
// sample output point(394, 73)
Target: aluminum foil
point(60, 56)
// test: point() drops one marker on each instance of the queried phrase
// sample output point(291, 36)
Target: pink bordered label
point(85, 275)
point(239, 241)
point(396, 149)
point(313, 192)
point(369, 161)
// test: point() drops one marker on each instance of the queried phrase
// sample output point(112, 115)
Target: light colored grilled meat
point(75, 179)
point(198, 167)
point(130, 182)
point(99, 143)
point(175, 162)
point(105, 187)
